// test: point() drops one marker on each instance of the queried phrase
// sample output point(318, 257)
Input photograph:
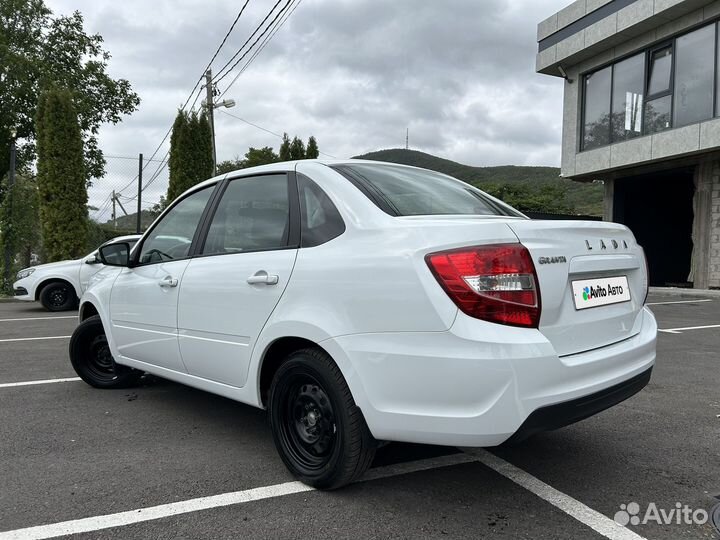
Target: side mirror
point(115, 254)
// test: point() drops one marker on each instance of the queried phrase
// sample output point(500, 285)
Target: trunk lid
point(589, 252)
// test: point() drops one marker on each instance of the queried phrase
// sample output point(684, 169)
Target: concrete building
point(642, 114)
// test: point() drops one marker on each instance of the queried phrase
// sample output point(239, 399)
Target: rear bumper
point(563, 414)
point(479, 384)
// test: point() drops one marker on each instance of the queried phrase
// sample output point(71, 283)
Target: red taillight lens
point(495, 283)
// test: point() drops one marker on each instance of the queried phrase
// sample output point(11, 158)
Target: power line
point(219, 75)
point(262, 45)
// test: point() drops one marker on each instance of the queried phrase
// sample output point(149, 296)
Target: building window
point(667, 86)
point(660, 71)
point(627, 98)
point(694, 84)
point(597, 109)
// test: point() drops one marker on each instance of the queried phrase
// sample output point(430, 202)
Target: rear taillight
point(495, 283)
point(646, 276)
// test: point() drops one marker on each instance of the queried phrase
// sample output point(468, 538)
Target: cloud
point(354, 73)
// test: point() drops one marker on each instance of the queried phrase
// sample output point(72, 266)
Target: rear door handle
point(168, 281)
point(262, 277)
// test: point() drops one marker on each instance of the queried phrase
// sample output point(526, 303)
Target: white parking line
point(678, 302)
point(567, 504)
point(33, 338)
point(32, 383)
point(572, 507)
point(215, 501)
point(39, 318)
point(681, 330)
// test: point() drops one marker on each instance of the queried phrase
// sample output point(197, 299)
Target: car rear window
point(406, 191)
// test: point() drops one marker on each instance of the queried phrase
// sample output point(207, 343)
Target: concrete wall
point(714, 230)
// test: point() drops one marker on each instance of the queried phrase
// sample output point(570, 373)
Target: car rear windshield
point(406, 191)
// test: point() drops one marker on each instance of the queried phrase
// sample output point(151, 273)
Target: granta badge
point(552, 260)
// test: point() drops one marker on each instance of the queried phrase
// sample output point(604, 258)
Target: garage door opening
point(658, 208)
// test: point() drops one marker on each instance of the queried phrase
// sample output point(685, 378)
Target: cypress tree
point(177, 158)
point(285, 148)
point(62, 190)
point(297, 149)
point(312, 151)
point(204, 148)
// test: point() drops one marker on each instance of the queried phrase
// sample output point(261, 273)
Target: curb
point(680, 292)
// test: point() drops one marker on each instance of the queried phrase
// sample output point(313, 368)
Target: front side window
point(596, 130)
point(171, 238)
point(253, 215)
point(694, 84)
point(405, 191)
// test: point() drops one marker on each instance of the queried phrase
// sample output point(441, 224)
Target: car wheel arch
point(48, 281)
point(273, 357)
point(87, 310)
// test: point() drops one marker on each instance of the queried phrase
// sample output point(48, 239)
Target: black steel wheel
point(58, 296)
point(92, 360)
point(318, 430)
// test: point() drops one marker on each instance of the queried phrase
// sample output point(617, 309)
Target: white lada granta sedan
point(362, 302)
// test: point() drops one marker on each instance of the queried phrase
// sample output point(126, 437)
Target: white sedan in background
point(59, 285)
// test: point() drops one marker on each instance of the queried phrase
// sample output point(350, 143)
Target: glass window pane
point(171, 238)
point(253, 215)
point(628, 88)
point(419, 192)
point(596, 129)
point(657, 114)
point(320, 219)
point(660, 68)
point(694, 53)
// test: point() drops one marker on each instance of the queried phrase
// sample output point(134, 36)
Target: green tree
point(62, 189)
point(19, 221)
point(312, 151)
point(259, 156)
point(230, 165)
point(190, 160)
point(203, 147)
point(40, 51)
point(297, 149)
point(177, 160)
point(285, 148)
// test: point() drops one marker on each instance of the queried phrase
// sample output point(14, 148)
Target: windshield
point(405, 191)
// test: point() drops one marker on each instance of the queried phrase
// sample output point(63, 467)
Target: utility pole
point(210, 106)
point(138, 222)
point(7, 266)
point(114, 215)
point(407, 138)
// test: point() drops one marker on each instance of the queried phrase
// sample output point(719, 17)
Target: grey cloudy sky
point(354, 73)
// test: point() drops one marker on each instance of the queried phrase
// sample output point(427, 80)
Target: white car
point(362, 302)
point(59, 285)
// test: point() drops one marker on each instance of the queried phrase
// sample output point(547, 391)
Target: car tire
point(319, 431)
point(91, 358)
point(58, 296)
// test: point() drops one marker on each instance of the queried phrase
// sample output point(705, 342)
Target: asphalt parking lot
point(166, 461)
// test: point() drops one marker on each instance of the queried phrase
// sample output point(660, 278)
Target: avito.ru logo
point(600, 292)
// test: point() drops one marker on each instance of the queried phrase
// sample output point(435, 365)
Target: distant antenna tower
point(407, 138)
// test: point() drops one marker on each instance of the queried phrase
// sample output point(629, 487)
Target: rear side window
point(253, 215)
point(404, 191)
point(320, 219)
